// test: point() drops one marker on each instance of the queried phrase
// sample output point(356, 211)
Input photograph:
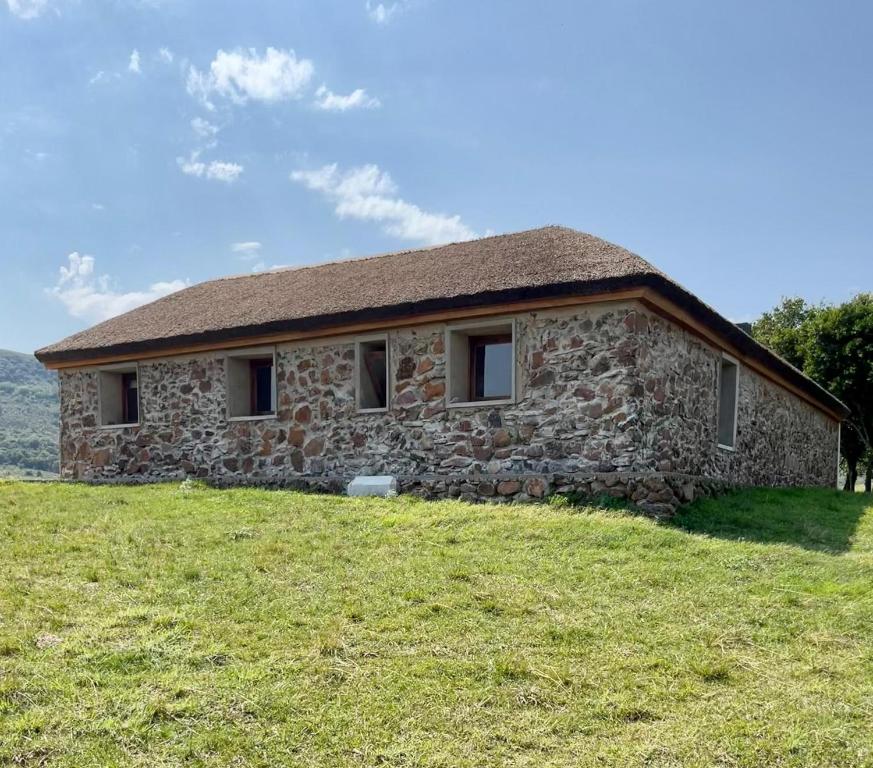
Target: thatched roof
point(539, 263)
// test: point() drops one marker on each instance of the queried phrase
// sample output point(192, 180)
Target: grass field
point(168, 625)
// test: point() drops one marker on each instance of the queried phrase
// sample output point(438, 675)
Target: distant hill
point(28, 415)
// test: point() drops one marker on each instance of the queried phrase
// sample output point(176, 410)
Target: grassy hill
point(28, 416)
point(171, 625)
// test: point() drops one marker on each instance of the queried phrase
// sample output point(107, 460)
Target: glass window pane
point(376, 370)
point(132, 406)
point(373, 375)
point(130, 399)
point(491, 367)
point(498, 371)
point(727, 403)
point(263, 389)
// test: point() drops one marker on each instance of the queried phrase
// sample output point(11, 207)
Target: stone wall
point(603, 392)
point(781, 439)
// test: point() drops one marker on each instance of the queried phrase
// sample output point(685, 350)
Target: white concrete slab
point(372, 485)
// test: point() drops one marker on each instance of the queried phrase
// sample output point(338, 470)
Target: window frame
point(489, 327)
point(360, 342)
point(119, 369)
point(251, 355)
point(736, 363)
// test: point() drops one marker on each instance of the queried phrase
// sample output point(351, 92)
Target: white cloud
point(27, 9)
point(98, 207)
point(247, 250)
point(241, 75)
point(203, 128)
point(134, 66)
point(91, 297)
point(334, 102)
point(215, 170)
point(165, 55)
point(369, 194)
point(227, 172)
point(382, 13)
point(199, 86)
point(103, 77)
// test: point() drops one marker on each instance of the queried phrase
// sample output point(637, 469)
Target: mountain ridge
point(28, 415)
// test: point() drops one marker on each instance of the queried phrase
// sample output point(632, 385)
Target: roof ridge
point(388, 254)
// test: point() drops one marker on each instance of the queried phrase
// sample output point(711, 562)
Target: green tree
point(837, 349)
point(834, 346)
point(852, 451)
point(868, 479)
point(784, 328)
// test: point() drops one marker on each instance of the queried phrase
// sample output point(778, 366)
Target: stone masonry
point(611, 398)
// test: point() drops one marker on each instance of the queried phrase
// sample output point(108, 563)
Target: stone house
point(506, 367)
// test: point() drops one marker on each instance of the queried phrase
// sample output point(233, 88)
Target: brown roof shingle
point(550, 261)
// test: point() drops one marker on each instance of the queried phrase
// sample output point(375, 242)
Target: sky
point(150, 144)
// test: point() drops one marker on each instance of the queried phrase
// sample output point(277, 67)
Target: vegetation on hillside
point(28, 415)
point(832, 344)
point(157, 626)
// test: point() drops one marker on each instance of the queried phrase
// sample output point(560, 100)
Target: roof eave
point(48, 355)
point(654, 281)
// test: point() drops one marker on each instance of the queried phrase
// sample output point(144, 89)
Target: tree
point(852, 450)
point(834, 346)
point(783, 329)
point(868, 477)
point(837, 350)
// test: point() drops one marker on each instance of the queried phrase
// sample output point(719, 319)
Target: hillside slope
point(28, 414)
point(180, 625)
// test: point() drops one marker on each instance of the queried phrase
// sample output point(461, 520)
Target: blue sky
point(145, 144)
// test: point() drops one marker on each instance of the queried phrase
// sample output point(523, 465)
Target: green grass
point(163, 626)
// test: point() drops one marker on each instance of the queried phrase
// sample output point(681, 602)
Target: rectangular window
point(261, 386)
point(130, 398)
point(491, 367)
point(372, 380)
point(251, 384)
point(481, 363)
point(119, 397)
point(728, 387)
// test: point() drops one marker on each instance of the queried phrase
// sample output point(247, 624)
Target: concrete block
point(372, 485)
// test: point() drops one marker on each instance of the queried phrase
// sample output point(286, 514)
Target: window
point(481, 363)
point(728, 386)
point(129, 398)
point(261, 386)
point(491, 367)
point(372, 378)
point(251, 384)
point(119, 397)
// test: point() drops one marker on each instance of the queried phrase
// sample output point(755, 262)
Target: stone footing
point(658, 494)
